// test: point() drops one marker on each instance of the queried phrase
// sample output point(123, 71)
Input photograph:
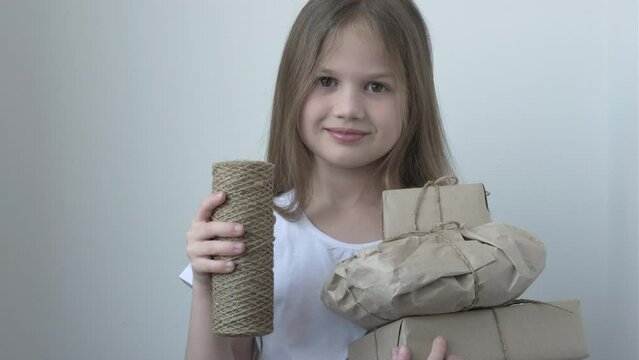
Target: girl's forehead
point(354, 31)
point(356, 44)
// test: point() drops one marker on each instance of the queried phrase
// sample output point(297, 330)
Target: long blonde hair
point(421, 154)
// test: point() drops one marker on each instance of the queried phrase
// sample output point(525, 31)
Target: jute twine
point(451, 180)
point(243, 299)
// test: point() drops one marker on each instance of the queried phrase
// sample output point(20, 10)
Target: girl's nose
point(348, 103)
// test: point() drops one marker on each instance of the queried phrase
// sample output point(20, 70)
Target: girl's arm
point(202, 343)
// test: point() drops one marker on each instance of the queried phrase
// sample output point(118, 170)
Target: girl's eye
point(377, 87)
point(325, 81)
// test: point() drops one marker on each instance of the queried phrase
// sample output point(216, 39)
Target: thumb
point(438, 351)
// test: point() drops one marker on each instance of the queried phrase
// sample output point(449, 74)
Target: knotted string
point(451, 180)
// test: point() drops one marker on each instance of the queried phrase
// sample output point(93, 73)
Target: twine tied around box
point(451, 180)
point(243, 299)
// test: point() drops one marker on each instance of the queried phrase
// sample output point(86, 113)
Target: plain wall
point(112, 112)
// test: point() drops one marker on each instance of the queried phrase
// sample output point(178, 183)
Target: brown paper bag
point(528, 331)
point(445, 271)
point(440, 201)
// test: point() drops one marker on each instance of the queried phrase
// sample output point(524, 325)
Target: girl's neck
point(343, 188)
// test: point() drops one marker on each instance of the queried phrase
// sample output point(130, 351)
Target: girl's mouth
point(343, 135)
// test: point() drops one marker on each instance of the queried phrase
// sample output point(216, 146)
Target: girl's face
point(352, 117)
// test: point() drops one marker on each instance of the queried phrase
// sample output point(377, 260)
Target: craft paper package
point(524, 331)
point(465, 203)
point(435, 273)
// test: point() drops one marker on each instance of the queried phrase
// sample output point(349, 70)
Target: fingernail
point(238, 246)
point(395, 352)
point(218, 195)
point(403, 350)
point(229, 265)
point(237, 228)
point(438, 340)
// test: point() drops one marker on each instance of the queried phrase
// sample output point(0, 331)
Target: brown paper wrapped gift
point(439, 201)
point(528, 331)
point(452, 269)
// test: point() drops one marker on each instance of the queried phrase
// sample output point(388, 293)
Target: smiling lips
point(346, 135)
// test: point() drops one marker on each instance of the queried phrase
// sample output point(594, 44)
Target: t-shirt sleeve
point(187, 275)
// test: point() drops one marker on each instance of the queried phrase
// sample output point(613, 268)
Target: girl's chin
point(353, 163)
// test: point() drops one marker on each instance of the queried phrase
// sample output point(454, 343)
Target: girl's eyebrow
point(372, 75)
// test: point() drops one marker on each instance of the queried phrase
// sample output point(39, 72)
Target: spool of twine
point(243, 299)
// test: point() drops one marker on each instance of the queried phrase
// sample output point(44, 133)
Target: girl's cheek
point(314, 106)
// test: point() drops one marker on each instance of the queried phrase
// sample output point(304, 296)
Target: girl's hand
point(201, 245)
point(437, 352)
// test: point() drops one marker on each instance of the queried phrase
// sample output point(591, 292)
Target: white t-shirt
point(303, 328)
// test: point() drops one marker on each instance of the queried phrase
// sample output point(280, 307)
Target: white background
point(113, 111)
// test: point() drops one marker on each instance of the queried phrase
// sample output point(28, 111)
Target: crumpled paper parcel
point(452, 269)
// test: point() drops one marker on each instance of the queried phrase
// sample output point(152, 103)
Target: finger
point(208, 205)
point(203, 265)
point(210, 230)
point(210, 249)
point(438, 350)
point(401, 353)
point(223, 248)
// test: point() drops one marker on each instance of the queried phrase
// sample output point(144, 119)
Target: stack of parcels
point(444, 268)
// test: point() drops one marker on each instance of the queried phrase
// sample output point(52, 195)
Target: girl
point(354, 113)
